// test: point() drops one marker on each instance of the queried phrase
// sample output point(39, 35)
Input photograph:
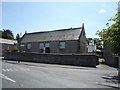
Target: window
point(41, 45)
point(22, 45)
point(91, 41)
point(47, 44)
point(28, 46)
point(62, 45)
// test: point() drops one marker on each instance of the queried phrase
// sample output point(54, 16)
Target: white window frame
point(22, 45)
point(47, 44)
point(62, 45)
point(29, 46)
point(41, 46)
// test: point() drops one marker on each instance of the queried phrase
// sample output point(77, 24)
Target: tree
point(112, 34)
point(7, 34)
point(1, 33)
point(17, 37)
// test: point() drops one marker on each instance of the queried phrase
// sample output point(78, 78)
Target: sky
point(46, 16)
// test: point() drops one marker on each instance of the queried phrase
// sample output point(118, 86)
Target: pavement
point(45, 65)
point(58, 76)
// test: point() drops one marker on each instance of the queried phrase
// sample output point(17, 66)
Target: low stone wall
point(67, 59)
point(111, 61)
point(107, 55)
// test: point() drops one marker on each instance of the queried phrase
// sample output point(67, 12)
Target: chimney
point(83, 26)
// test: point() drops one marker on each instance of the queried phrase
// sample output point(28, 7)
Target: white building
point(92, 46)
point(7, 45)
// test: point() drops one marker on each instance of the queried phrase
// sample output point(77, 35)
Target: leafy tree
point(7, 34)
point(17, 37)
point(1, 33)
point(88, 39)
point(112, 33)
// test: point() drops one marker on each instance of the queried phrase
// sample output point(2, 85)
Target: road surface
point(38, 75)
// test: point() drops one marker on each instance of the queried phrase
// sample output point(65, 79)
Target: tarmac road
point(38, 75)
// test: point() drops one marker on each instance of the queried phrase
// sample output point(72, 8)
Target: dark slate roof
point(56, 35)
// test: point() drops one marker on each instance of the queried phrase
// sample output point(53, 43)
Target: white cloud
point(102, 11)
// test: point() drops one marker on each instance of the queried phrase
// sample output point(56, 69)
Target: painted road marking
point(7, 78)
point(20, 69)
point(10, 70)
point(7, 70)
point(24, 69)
point(3, 70)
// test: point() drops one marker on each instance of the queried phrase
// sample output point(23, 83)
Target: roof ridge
point(55, 30)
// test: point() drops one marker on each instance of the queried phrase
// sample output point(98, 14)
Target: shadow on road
point(111, 78)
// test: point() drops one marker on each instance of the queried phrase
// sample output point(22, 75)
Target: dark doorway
point(47, 50)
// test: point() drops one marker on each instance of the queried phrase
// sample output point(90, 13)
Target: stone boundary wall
point(65, 59)
point(109, 58)
point(111, 61)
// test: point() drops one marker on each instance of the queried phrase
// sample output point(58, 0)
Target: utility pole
point(118, 4)
point(119, 53)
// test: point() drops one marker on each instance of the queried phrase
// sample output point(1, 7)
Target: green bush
point(16, 50)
